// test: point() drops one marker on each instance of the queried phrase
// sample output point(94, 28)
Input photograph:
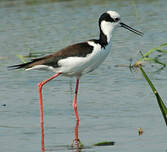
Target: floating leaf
point(105, 143)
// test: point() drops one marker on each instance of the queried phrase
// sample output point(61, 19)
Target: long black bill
point(131, 29)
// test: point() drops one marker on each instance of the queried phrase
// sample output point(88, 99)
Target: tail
point(27, 65)
point(33, 62)
point(20, 66)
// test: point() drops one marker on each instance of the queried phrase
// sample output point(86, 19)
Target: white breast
point(76, 66)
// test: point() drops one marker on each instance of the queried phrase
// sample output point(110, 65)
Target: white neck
point(107, 28)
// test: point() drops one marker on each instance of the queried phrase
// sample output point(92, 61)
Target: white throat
point(107, 28)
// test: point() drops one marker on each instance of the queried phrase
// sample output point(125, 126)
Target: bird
point(80, 58)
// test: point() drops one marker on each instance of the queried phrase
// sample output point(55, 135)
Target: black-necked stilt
point(78, 59)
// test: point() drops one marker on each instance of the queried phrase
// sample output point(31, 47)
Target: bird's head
point(109, 20)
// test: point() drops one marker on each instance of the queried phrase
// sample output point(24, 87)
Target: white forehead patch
point(113, 14)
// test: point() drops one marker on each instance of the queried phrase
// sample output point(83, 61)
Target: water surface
point(112, 102)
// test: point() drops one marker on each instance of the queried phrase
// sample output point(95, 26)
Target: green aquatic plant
point(37, 54)
point(139, 64)
point(21, 57)
point(146, 57)
point(160, 51)
point(32, 55)
point(161, 104)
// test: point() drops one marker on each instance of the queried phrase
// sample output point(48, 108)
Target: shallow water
point(112, 102)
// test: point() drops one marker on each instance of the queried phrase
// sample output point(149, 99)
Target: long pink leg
point(76, 139)
point(75, 100)
point(40, 85)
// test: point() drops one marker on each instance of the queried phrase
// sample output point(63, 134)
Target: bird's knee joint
point(40, 85)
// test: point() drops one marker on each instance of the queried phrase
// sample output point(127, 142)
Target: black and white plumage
point(77, 59)
point(81, 58)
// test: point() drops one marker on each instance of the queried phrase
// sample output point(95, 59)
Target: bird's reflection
point(42, 138)
point(76, 144)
